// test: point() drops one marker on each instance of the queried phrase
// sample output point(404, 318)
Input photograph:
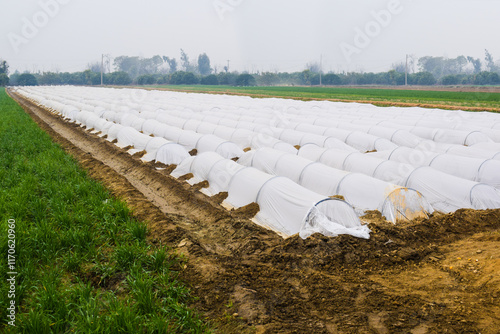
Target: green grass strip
point(83, 262)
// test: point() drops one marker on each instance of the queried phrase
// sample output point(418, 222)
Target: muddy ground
point(439, 275)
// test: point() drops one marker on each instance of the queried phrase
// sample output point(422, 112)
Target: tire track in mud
point(248, 279)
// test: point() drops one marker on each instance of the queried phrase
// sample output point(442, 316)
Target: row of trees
point(308, 78)
point(77, 78)
point(461, 70)
point(304, 78)
point(190, 78)
point(138, 66)
point(122, 78)
point(441, 67)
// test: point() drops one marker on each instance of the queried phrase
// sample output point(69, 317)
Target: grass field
point(83, 262)
point(469, 99)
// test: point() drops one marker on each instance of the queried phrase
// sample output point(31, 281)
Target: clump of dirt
point(185, 177)
point(193, 152)
point(246, 149)
point(200, 185)
point(373, 216)
point(139, 154)
point(338, 197)
point(220, 197)
point(169, 169)
point(297, 147)
point(247, 212)
point(156, 164)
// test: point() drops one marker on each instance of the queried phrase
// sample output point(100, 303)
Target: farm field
point(82, 259)
point(467, 98)
point(432, 273)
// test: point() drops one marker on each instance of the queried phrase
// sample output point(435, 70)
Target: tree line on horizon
point(163, 70)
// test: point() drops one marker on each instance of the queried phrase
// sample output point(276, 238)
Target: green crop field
point(72, 240)
point(385, 96)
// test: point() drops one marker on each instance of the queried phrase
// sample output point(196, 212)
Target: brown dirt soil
point(436, 275)
point(338, 196)
point(139, 154)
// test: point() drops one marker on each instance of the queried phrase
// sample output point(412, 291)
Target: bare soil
point(436, 275)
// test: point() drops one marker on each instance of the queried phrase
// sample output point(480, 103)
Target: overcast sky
point(255, 35)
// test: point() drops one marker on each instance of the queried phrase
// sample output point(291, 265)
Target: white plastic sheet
point(363, 192)
point(129, 136)
point(171, 154)
point(448, 193)
point(152, 148)
point(260, 123)
point(474, 169)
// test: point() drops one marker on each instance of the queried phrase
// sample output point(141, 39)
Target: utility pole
point(102, 68)
point(406, 71)
point(320, 69)
point(227, 68)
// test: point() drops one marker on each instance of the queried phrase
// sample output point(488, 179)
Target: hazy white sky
point(255, 35)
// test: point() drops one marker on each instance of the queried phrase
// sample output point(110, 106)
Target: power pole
point(227, 66)
point(406, 71)
point(102, 68)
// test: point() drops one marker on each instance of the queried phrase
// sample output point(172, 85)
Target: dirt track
point(439, 275)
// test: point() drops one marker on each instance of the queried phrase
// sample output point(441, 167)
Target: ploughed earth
point(436, 275)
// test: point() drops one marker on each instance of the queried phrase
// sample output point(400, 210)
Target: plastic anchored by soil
point(434, 275)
